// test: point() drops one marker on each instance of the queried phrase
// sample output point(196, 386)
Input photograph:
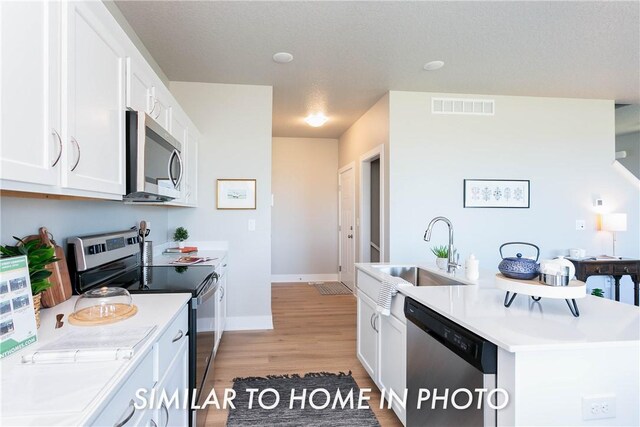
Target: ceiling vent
point(482, 107)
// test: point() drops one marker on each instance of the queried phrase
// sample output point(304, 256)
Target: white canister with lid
point(472, 268)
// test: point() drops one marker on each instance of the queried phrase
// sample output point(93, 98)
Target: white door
point(95, 101)
point(347, 227)
point(30, 135)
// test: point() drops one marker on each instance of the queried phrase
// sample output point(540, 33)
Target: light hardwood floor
point(312, 333)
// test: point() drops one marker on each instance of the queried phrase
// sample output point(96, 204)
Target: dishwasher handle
point(477, 351)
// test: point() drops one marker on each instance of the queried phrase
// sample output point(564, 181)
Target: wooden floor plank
point(312, 333)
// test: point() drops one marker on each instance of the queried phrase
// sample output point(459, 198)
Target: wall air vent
point(482, 107)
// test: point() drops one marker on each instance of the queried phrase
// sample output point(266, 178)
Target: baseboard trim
point(290, 278)
point(248, 323)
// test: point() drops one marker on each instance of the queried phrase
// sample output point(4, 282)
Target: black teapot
point(518, 267)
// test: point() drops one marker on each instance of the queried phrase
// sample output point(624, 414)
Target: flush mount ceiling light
point(316, 120)
point(282, 57)
point(433, 65)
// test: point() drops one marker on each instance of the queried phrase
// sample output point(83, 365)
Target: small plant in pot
point(442, 256)
point(39, 255)
point(180, 235)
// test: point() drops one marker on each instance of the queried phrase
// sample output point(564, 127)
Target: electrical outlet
point(252, 225)
point(598, 407)
point(580, 224)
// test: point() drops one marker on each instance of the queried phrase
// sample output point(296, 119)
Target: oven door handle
point(208, 290)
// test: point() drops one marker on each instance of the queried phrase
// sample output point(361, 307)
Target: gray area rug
point(332, 288)
point(343, 415)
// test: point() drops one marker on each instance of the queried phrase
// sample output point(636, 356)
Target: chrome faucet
point(452, 262)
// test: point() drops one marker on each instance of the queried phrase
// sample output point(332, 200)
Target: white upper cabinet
point(95, 100)
point(30, 128)
point(68, 74)
point(140, 82)
point(191, 183)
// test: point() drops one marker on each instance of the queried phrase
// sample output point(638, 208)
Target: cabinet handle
point(166, 411)
point(374, 323)
point(153, 423)
point(179, 335)
point(73, 140)
point(222, 293)
point(155, 102)
point(626, 269)
point(597, 269)
point(54, 132)
point(128, 417)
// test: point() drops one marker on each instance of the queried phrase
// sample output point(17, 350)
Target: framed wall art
point(496, 193)
point(236, 194)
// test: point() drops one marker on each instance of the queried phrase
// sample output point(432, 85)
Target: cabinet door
point(139, 85)
point(30, 133)
point(95, 100)
point(175, 382)
point(191, 182)
point(367, 335)
point(392, 362)
point(221, 310)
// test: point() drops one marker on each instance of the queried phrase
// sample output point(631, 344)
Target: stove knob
point(91, 250)
point(103, 248)
point(97, 249)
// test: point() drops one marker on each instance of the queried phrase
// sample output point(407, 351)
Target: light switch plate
point(597, 407)
point(252, 225)
point(580, 224)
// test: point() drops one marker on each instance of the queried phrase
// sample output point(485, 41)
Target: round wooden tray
point(85, 318)
point(575, 289)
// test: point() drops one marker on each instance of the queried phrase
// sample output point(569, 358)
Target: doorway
point(372, 236)
point(346, 228)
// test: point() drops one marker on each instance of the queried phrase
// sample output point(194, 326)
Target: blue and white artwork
point(496, 193)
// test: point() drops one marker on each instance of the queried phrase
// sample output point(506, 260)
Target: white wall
point(304, 224)
point(564, 146)
point(368, 132)
point(235, 123)
point(68, 218)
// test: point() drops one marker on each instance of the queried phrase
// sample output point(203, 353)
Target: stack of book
point(185, 250)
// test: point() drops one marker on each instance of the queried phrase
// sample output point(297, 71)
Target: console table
point(615, 268)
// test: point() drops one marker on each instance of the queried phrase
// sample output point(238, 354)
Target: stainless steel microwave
point(154, 163)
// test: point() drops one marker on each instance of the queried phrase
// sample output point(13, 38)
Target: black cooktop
point(172, 279)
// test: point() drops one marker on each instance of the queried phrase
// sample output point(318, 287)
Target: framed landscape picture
point(236, 194)
point(496, 193)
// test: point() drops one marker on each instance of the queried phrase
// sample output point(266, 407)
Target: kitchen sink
point(420, 277)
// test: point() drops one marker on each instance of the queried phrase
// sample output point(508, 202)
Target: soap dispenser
point(472, 268)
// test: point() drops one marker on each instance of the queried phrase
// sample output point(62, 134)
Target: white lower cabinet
point(392, 361)
point(382, 342)
point(221, 306)
point(367, 334)
point(164, 376)
point(171, 391)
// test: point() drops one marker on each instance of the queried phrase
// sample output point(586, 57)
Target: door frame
point(365, 204)
point(351, 165)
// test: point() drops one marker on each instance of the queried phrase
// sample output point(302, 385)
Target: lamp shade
point(614, 222)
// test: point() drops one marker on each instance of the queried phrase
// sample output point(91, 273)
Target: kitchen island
point(98, 392)
point(548, 360)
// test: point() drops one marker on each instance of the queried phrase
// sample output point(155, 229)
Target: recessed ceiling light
point(282, 57)
point(316, 120)
point(433, 65)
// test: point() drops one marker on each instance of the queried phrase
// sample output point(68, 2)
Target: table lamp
point(614, 222)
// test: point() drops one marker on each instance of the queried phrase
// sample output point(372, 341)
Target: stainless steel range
point(113, 259)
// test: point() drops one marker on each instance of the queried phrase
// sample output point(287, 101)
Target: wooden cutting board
point(60, 289)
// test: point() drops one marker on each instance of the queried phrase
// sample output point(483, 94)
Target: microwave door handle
point(175, 181)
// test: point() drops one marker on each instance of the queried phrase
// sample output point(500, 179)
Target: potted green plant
point(597, 292)
point(39, 255)
point(442, 256)
point(180, 235)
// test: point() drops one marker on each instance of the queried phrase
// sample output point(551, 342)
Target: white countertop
point(526, 325)
point(73, 393)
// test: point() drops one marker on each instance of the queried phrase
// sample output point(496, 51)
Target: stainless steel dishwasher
point(443, 355)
